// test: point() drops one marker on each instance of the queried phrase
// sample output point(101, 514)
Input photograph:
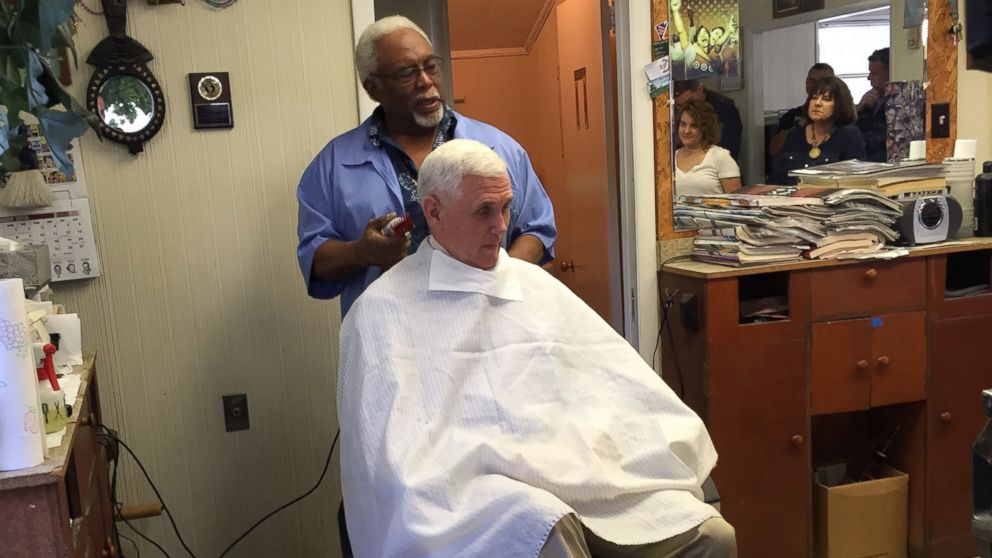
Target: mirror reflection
point(783, 62)
point(125, 103)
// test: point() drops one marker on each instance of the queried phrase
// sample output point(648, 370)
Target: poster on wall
point(705, 39)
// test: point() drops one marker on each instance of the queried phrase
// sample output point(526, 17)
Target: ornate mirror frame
point(942, 73)
point(120, 55)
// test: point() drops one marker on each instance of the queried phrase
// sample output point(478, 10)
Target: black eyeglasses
point(408, 76)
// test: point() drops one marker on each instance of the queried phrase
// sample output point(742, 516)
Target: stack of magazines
point(901, 181)
point(770, 224)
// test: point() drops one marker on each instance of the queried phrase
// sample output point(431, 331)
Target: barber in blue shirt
point(365, 176)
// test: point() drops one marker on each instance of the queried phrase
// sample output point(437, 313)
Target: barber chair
point(710, 495)
point(981, 482)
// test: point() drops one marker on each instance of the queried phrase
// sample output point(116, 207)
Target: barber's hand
point(869, 100)
point(380, 250)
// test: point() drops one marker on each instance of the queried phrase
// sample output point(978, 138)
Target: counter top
point(693, 268)
point(54, 466)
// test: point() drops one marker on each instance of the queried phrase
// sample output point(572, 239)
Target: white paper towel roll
point(917, 150)
point(965, 148)
point(21, 446)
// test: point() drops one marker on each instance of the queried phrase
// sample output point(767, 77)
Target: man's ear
point(432, 209)
point(371, 87)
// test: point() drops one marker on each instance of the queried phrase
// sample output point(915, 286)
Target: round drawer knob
point(567, 266)
point(945, 416)
point(797, 440)
point(883, 361)
point(862, 364)
point(871, 274)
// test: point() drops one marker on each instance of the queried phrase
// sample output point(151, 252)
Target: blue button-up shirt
point(406, 170)
point(352, 180)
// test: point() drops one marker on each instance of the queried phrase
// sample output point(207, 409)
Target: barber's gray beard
point(430, 120)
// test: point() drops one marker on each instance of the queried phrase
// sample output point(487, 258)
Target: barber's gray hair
point(443, 170)
point(365, 59)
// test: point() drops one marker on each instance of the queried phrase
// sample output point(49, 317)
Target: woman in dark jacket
point(829, 134)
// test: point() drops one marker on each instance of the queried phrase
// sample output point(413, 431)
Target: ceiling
point(495, 24)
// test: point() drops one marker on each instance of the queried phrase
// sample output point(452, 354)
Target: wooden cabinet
point(869, 351)
point(62, 508)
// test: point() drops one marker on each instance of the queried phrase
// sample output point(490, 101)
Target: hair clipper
point(400, 225)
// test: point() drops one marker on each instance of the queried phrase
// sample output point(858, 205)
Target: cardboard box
point(863, 519)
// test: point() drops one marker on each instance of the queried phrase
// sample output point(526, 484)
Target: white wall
point(974, 98)
point(642, 173)
point(201, 293)
point(786, 65)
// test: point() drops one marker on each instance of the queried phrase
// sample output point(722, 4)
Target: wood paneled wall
point(942, 70)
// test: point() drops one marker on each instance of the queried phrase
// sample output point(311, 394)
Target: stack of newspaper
point(899, 181)
point(770, 224)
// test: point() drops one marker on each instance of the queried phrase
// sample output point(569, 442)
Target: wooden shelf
point(692, 268)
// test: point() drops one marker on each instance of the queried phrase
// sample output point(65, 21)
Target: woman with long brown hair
point(702, 166)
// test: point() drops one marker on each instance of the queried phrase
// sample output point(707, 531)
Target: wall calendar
point(64, 226)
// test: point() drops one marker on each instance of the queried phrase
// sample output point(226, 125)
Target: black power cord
point(113, 443)
point(291, 502)
point(667, 302)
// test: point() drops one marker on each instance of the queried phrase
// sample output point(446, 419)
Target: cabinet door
point(838, 378)
point(758, 421)
point(959, 370)
point(899, 358)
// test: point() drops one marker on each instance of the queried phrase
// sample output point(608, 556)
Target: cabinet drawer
point(864, 289)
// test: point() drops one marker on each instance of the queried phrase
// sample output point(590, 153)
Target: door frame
point(638, 299)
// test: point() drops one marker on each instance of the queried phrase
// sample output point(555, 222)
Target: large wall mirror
point(776, 55)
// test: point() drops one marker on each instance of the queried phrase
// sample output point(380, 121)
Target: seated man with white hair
point(487, 411)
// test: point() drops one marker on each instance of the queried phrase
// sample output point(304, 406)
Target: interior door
point(588, 250)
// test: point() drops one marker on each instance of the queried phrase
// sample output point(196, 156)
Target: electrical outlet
point(236, 412)
point(940, 120)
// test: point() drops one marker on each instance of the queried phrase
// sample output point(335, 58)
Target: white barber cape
point(479, 407)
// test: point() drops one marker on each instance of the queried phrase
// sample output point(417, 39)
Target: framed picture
point(786, 8)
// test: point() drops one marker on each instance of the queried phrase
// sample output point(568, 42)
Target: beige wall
point(201, 294)
point(974, 114)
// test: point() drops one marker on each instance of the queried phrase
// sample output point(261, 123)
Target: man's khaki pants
point(713, 538)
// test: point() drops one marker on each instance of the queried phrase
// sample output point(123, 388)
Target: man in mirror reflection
point(727, 114)
point(797, 116)
point(871, 108)
point(829, 136)
point(367, 175)
point(701, 166)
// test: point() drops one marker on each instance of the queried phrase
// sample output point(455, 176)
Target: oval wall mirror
point(123, 92)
